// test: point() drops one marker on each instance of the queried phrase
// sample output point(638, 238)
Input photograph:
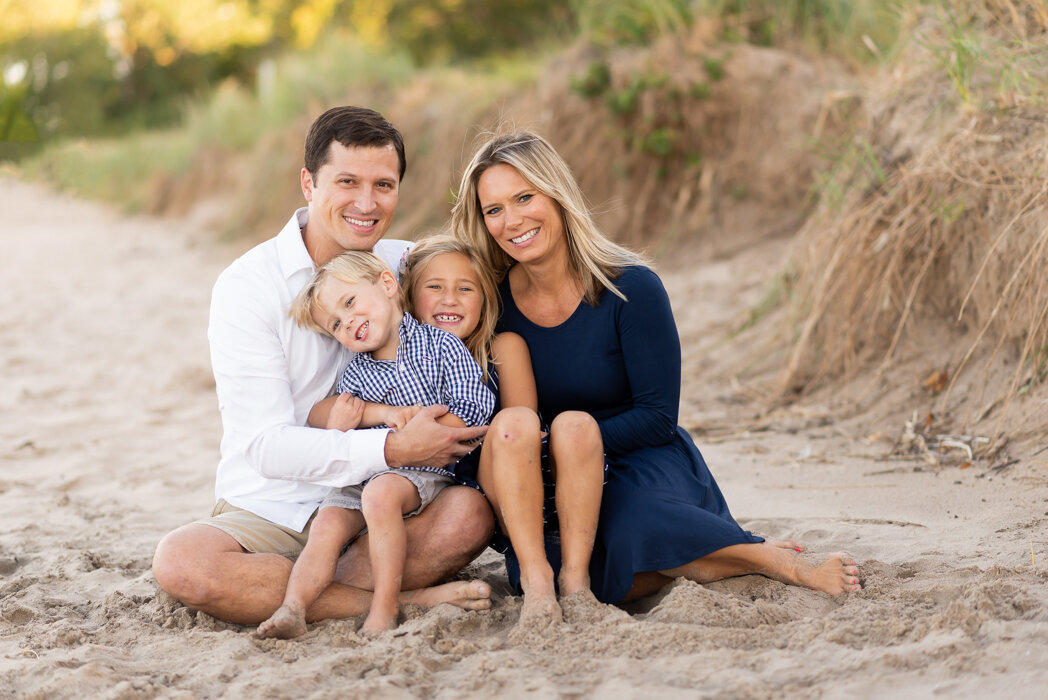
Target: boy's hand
point(398, 416)
point(346, 412)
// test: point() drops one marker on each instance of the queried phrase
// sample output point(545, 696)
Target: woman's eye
point(492, 211)
point(525, 197)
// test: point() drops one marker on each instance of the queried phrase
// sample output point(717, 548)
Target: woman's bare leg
point(313, 571)
point(577, 455)
point(836, 575)
point(510, 473)
point(384, 502)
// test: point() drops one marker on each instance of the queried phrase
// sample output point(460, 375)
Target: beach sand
point(109, 439)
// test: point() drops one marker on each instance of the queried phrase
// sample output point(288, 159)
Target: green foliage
point(860, 30)
point(659, 142)
point(714, 68)
point(594, 82)
point(624, 102)
point(624, 22)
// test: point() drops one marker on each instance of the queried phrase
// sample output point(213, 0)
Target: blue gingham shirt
point(432, 367)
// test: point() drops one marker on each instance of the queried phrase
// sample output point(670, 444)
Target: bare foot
point(468, 595)
point(570, 584)
point(787, 544)
point(285, 623)
point(379, 621)
point(837, 575)
point(540, 607)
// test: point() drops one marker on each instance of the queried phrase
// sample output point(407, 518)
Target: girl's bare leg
point(314, 570)
point(577, 454)
point(384, 502)
point(510, 473)
point(836, 575)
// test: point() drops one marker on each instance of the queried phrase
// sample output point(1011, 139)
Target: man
point(269, 374)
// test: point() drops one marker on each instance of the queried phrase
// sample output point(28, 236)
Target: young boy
point(399, 363)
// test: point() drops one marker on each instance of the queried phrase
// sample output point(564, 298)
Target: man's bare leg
point(206, 569)
point(442, 539)
point(313, 571)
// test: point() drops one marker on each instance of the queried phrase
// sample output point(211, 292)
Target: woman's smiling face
point(525, 223)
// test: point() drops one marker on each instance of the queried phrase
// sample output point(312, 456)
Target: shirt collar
point(291, 248)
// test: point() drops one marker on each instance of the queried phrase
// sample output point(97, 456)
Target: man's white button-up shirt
point(269, 373)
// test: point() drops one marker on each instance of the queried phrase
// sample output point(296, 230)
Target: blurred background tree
point(73, 68)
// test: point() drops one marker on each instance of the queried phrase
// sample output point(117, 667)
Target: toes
point(479, 589)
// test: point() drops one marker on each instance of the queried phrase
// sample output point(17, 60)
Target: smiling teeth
point(447, 318)
point(360, 222)
point(362, 330)
point(525, 237)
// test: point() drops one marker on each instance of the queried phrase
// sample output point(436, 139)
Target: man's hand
point(345, 413)
point(424, 442)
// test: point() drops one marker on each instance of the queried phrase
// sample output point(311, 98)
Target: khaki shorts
point(256, 534)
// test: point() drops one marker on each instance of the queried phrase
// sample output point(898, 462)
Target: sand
point(109, 439)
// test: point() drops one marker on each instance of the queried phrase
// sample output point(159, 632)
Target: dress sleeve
point(462, 383)
point(651, 355)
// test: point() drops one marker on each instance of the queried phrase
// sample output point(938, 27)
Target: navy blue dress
point(620, 362)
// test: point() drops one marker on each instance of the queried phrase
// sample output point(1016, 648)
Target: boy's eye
point(349, 302)
point(335, 325)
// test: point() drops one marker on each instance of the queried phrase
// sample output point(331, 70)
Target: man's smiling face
point(352, 199)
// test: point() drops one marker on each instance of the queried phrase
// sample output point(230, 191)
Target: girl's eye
point(465, 289)
point(433, 286)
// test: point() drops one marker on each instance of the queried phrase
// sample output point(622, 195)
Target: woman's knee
point(514, 426)
point(577, 429)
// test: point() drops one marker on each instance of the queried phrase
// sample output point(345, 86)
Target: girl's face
point(448, 294)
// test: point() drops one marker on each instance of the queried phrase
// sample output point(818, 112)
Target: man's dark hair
point(350, 126)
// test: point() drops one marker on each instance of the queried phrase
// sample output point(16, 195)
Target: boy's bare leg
point(313, 571)
point(510, 473)
point(207, 569)
point(384, 502)
point(442, 539)
point(577, 453)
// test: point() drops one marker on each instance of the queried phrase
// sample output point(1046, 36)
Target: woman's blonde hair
point(351, 267)
point(595, 259)
point(422, 253)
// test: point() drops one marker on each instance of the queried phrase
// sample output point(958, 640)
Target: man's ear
point(307, 184)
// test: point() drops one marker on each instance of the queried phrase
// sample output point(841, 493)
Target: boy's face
point(363, 316)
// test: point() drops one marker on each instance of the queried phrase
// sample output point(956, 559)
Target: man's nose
point(365, 200)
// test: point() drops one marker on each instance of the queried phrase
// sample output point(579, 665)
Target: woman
point(602, 339)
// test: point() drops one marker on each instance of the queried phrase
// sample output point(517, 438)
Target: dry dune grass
point(942, 215)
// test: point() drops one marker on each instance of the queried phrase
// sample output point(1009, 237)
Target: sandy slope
point(109, 439)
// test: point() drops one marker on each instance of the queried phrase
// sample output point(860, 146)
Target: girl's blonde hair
point(422, 253)
point(595, 259)
point(351, 267)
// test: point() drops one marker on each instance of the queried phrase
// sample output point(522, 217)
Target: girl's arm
point(516, 379)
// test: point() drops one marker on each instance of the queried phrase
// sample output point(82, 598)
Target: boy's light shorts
point(429, 484)
point(256, 534)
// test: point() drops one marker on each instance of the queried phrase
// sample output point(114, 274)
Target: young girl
point(545, 493)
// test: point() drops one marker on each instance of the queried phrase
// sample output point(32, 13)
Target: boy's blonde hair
point(595, 259)
point(351, 267)
point(421, 254)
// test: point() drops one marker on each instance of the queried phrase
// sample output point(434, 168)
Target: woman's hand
point(345, 413)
